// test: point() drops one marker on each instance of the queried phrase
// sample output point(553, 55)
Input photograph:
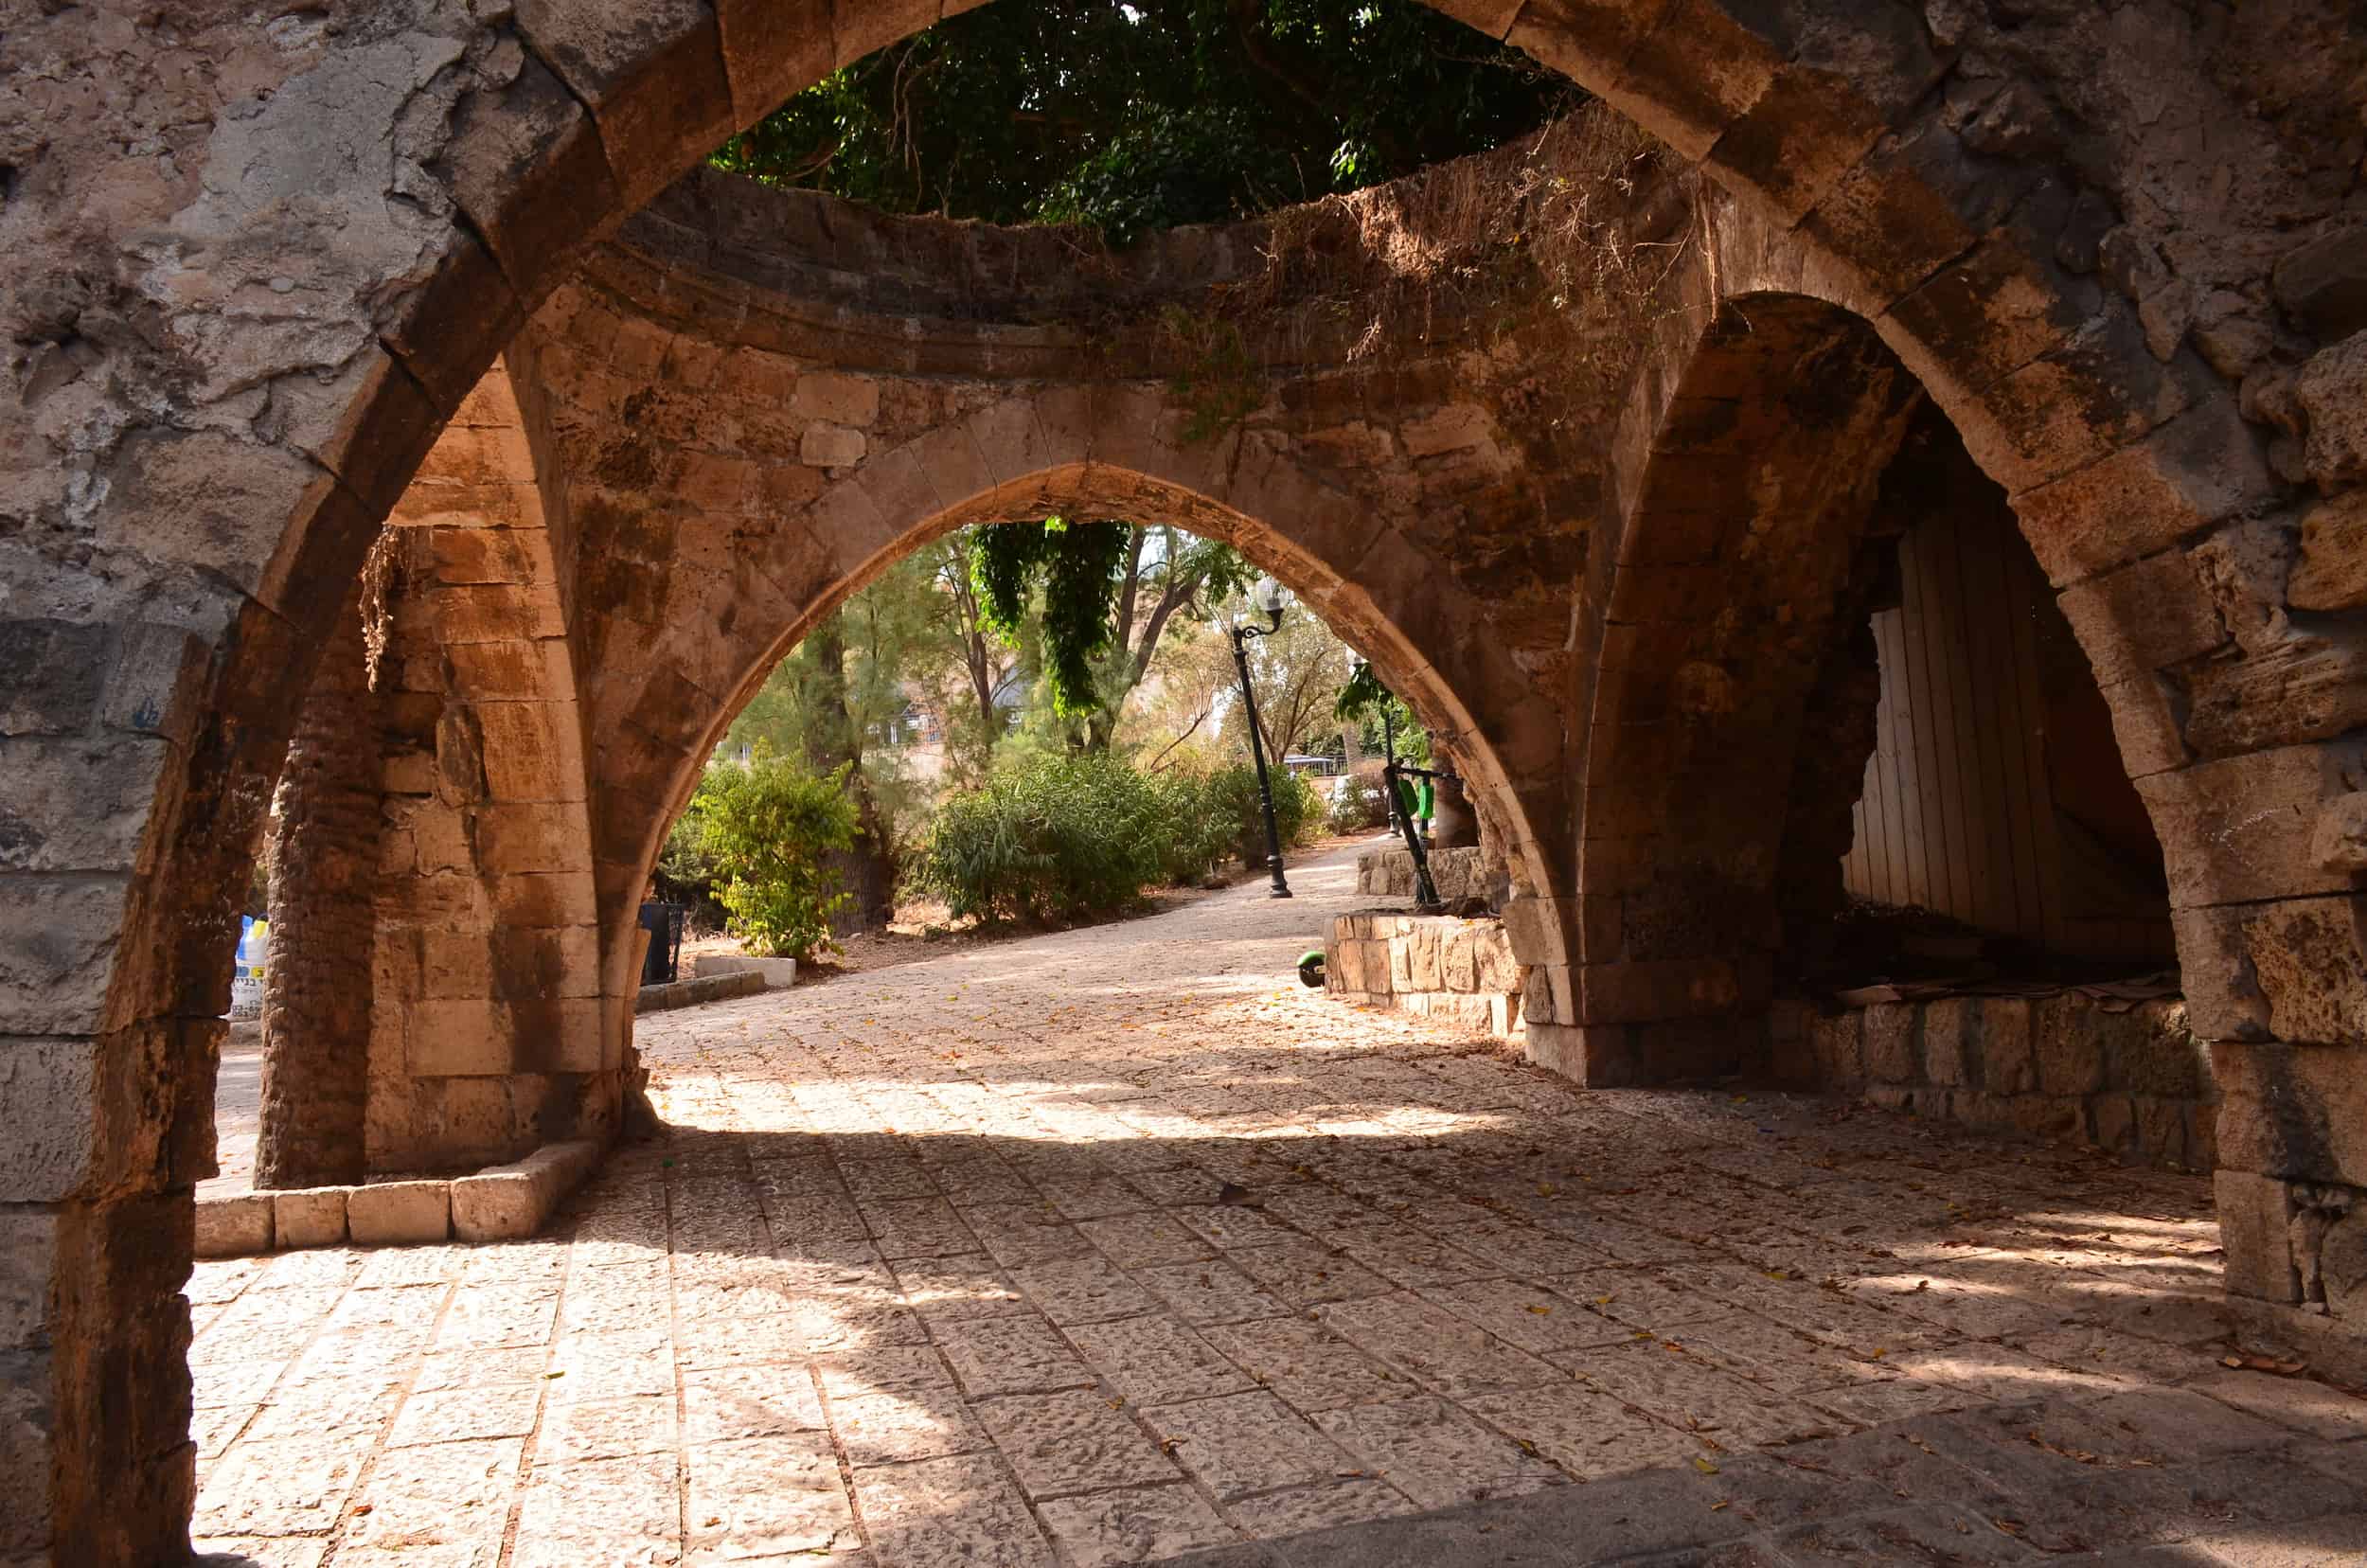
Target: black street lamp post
point(1267, 597)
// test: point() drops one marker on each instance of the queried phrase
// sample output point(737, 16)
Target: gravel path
point(1116, 1246)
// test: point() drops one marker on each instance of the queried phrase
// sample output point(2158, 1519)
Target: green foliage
point(1202, 825)
point(1359, 803)
point(1063, 837)
point(1056, 839)
point(1135, 114)
point(686, 874)
point(1075, 568)
point(1364, 702)
point(1233, 794)
point(762, 832)
point(1071, 595)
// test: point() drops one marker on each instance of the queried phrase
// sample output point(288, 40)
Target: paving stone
point(1232, 1227)
point(1283, 1515)
point(259, 1551)
point(1692, 1395)
point(1434, 1348)
point(576, 1430)
point(2297, 1403)
point(2333, 1543)
point(1586, 1433)
point(1070, 1442)
point(440, 1495)
point(1085, 1163)
point(495, 1316)
point(622, 1511)
point(873, 1180)
point(881, 1369)
point(724, 1405)
point(326, 1409)
point(1246, 1443)
point(1406, 1257)
point(297, 1485)
point(1309, 1365)
point(952, 1289)
point(614, 1366)
point(783, 1338)
point(925, 1227)
point(1093, 1199)
point(1150, 1524)
point(1082, 1289)
point(243, 1383)
point(1214, 1292)
point(1020, 1233)
point(1011, 1356)
point(1140, 1240)
point(1154, 1359)
point(1435, 1452)
point(949, 1513)
point(214, 1428)
point(1524, 1315)
point(911, 1423)
point(766, 1498)
point(1926, 1534)
point(504, 1410)
point(1303, 1271)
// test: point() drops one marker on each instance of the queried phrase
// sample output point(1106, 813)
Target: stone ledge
point(779, 973)
point(705, 987)
point(2334, 1347)
point(504, 1202)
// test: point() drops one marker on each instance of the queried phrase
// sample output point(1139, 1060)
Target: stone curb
point(706, 988)
point(779, 973)
point(504, 1202)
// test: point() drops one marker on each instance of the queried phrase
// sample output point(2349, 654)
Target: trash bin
point(663, 922)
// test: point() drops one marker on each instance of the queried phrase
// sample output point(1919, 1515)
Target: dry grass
point(1585, 219)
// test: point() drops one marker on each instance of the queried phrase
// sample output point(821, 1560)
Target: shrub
point(1199, 827)
point(1233, 791)
point(760, 834)
point(1360, 804)
point(1053, 838)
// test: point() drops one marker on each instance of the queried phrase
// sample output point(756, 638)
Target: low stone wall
point(2136, 1083)
point(1433, 966)
point(506, 1203)
point(705, 987)
point(1456, 873)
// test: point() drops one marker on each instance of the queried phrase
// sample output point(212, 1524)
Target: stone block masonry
point(1431, 966)
point(1456, 874)
point(2136, 1083)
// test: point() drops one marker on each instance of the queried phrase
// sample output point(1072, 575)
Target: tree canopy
point(1135, 114)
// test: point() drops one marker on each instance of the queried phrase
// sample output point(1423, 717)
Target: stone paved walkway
point(1117, 1247)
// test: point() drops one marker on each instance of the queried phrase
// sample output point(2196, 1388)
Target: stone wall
point(1433, 965)
point(1456, 874)
point(2136, 1083)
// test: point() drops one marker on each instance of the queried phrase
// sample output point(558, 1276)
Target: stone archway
point(200, 469)
point(1748, 507)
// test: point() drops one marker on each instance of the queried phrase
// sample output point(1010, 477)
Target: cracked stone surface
point(937, 1266)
